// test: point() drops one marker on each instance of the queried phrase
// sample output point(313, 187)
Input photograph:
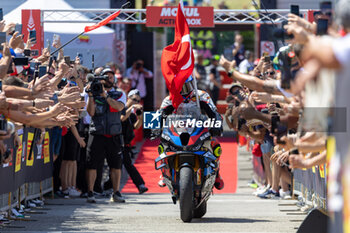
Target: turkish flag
point(177, 60)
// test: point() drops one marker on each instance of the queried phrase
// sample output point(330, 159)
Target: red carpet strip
point(145, 165)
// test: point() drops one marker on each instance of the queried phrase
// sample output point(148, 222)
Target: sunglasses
point(136, 100)
point(270, 73)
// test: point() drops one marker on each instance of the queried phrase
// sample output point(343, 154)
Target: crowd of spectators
point(272, 102)
point(289, 105)
point(51, 92)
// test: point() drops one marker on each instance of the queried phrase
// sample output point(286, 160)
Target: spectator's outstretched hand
point(63, 67)
point(8, 28)
point(16, 40)
point(297, 161)
point(29, 43)
point(6, 50)
point(301, 36)
point(294, 19)
point(2, 26)
point(3, 103)
point(43, 103)
point(71, 97)
point(228, 65)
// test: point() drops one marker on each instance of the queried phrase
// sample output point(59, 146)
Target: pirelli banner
point(165, 16)
point(23, 168)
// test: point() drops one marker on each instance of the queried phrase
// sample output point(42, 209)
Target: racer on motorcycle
point(207, 108)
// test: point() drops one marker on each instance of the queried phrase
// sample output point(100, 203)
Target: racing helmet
point(188, 87)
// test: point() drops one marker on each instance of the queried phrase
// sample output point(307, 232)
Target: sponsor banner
point(46, 148)
point(29, 162)
point(21, 170)
point(19, 155)
point(31, 21)
point(165, 16)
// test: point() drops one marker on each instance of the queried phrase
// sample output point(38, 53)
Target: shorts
point(55, 140)
point(70, 147)
point(100, 147)
point(266, 147)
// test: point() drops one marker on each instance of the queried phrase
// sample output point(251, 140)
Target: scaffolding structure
point(138, 16)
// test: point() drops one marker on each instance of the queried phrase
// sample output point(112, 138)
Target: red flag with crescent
point(177, 60)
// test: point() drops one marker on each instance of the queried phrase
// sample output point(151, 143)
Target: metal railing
point(138, 16)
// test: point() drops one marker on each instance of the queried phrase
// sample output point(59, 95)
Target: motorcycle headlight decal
point(217, 151)
point(196, 147)
point(160, 149)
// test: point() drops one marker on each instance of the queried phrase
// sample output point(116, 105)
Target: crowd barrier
point(311, 184)
point(308, 183)
point(26, 177)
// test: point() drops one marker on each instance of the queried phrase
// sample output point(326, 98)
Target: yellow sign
point(29, 144)
point(19, 156)
point(46, 149)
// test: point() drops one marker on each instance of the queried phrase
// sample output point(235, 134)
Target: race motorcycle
point(188, 162)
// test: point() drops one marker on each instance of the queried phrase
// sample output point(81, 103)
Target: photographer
point(132, 118)
point(105, 140)
point(137, 73)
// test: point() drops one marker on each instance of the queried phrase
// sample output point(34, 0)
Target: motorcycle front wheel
point(201, 210)
point(186, 194)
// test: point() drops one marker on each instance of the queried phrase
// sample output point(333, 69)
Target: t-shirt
point(213, 70)
point(128, 127)
point(202, 83)
point(239, 57)
point(245, 66)
point(138, 79)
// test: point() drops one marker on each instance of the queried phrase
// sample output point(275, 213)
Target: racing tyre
point(200, 211)
point(186, 194)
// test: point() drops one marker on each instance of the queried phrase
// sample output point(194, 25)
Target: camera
point(5, 156)
point(277, 129)
point(239, 93)
point(6, 127)
point(138, 65)
point(115, 94)
point(3, 125)
point(241, 122)
point(138, 112)
point(285, 59)
point(96, 87)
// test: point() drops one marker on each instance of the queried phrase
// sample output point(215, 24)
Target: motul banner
point(31, 20)
point(165, 16)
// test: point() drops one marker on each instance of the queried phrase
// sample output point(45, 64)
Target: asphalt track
point(239, 212)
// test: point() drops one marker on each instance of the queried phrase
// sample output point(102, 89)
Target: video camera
point(96, 87)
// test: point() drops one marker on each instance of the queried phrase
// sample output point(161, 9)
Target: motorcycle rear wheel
point(186, 194)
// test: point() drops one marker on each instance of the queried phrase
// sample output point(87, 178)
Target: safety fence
point(310, 184)
point(28, 175)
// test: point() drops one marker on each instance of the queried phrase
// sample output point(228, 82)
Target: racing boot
point(219, 182)
point(161, 182)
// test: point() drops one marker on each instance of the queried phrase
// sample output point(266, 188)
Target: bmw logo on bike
point(151, 120)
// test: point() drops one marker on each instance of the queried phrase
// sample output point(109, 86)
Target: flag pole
point(66, 43)
point(196, 89)
point(127, 4)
